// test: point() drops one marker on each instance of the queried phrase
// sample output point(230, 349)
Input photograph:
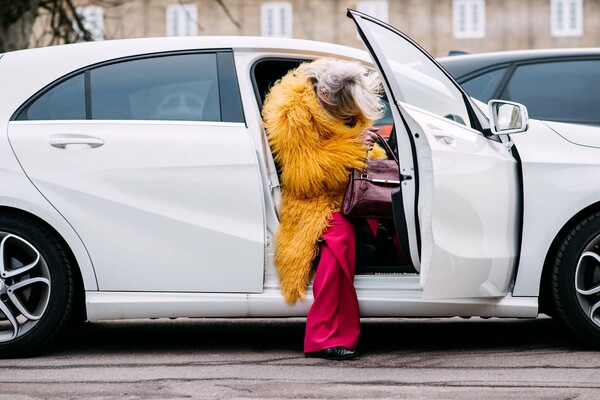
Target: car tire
point(576, 280)
point(36, 286)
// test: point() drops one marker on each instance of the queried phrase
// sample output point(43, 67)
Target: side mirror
point(507, 117)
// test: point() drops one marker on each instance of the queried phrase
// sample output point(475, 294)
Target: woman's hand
point(370, 136)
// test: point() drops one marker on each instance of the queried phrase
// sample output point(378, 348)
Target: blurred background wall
point(438, 25)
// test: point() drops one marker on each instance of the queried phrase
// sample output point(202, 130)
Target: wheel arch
point(546, 304)
point(79, 310)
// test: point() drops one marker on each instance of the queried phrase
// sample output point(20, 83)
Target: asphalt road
point(400, 358)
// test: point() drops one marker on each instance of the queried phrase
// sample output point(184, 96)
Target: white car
point(136, 182)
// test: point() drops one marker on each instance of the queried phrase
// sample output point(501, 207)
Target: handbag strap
point(387, 148)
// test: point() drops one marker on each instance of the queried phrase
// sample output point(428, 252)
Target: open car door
point(460, 198)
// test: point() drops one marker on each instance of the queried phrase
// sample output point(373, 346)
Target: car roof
point(58, 60)
point(109, 48)
point(465, 64)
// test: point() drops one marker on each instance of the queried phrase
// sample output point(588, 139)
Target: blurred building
point(438, 25)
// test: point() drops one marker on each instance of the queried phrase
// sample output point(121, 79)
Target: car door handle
point(62, 141)
point(444, 139)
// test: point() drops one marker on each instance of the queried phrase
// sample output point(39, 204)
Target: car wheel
point(576, 280)
point(36, 286)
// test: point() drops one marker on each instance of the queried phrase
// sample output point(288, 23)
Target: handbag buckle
point(385, 181)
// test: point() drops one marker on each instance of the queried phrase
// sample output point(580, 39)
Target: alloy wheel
point(587, 280)
point(24, 286)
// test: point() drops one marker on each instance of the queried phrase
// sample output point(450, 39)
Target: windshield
point(422, 83)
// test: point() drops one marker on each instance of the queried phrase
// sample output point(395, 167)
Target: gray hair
point(346, 89)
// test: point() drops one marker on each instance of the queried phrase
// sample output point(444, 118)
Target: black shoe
point(333, 353)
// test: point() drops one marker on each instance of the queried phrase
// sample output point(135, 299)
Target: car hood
point(583, 135)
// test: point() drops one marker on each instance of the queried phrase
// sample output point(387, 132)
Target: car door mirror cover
point(507, 117)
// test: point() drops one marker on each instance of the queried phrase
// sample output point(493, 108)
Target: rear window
point(63, 101)
point(183, 87)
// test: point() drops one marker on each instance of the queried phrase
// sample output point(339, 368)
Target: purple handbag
point(369, 192)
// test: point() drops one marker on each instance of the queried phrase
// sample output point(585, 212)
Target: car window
point(422, 83)
point(484, 86)
point(64, 101)
point(191, 87)
point(567, 91)
point(176, 87)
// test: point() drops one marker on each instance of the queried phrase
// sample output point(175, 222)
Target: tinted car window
point(64, 101)
point(484, 86)
point(177, 87)
point(566, 91)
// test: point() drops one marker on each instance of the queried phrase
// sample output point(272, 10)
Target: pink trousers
point(334, 319)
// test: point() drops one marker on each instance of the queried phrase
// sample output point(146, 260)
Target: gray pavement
point(217, 358)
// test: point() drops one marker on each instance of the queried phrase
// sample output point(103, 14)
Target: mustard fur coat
point(316, 153)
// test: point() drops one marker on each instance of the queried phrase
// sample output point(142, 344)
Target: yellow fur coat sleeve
point(315, 153)
point(315, 150)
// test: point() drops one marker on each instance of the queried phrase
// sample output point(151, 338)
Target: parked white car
point(136, 182)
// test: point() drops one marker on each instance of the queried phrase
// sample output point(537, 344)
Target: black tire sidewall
point(61, 286)
point(563, 285)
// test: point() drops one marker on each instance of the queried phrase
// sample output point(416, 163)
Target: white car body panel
point(560, 180)
point(18, 193)
point(468, 200)
point(474, 211)
point(584, 135)
point(378, 297)
point(181, 203)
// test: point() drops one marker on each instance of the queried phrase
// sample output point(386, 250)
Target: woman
point(318, 120)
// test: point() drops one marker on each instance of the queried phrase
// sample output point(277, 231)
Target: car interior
point(377, 247)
